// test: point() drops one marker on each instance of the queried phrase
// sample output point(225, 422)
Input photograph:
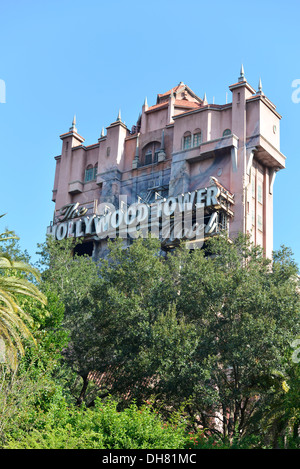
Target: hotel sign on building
point(187, 169)
point(190, 217)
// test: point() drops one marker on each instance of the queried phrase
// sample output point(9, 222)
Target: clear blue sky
point(92, 58)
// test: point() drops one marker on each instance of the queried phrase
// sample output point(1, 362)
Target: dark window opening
point(84, 249)
point(148, 158)
point(150, 153)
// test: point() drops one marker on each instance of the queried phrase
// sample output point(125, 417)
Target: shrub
point(102, 427)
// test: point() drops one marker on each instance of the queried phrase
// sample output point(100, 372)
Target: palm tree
point(13, 319)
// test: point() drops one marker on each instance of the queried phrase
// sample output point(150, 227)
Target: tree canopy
point(211, 327)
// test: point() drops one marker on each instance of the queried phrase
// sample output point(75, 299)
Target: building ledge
point(75, 187)
point(72, 134)
point(265, 152)
point(207, 149)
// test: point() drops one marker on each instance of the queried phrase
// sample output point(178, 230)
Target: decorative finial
point(242, 74)
point(102, 132)
point(119, 116)
point(73, 127)
point(259, 91)
point(204, 99)
point(146, 102)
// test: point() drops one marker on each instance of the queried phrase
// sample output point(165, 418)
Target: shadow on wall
point(213, 168)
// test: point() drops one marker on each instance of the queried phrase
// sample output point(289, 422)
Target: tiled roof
point(186, 103)
point(158, 106)
point(167, 93)
point(178, 103)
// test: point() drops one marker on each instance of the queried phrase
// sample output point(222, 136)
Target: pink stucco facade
point(180, 144)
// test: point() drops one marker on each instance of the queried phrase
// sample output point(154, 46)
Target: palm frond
point(13, 319)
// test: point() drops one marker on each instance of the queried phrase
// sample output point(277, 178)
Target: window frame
point(187, 137)
point(259, 193)
point(90, 173)
point(150, 149)
point(198, 135)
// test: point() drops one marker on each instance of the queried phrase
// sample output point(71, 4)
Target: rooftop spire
point(73, 127)
point(242, 74)
point(145, 105)
point(102, 132)
point(204, 99)
point(259, 87)
point(119, 116)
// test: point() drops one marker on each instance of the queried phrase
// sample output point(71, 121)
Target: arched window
point(150, 152)
point(226, 132)
point(197, 138)
point(187, 140)
point(89, 173)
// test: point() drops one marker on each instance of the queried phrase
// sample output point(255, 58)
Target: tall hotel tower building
point(223, 158)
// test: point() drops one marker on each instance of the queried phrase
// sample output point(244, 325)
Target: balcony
point(75, 187)
point(265, 152)
point(208, 149)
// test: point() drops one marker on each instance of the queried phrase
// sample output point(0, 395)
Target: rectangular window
point(187, 142)
point(148, 157)
point(259, 223)
point(253, 186)
point(196, 139)
point(259, 193)
point(89, 174)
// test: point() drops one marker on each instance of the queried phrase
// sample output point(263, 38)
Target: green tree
point(210, 327)
point(70, 278)
point(246, 310)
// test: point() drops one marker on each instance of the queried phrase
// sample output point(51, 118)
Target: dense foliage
point(206, 336)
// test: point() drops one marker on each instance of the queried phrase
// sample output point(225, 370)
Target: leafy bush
point(103, 427)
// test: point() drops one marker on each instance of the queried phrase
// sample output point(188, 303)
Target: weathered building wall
point(179, 145)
